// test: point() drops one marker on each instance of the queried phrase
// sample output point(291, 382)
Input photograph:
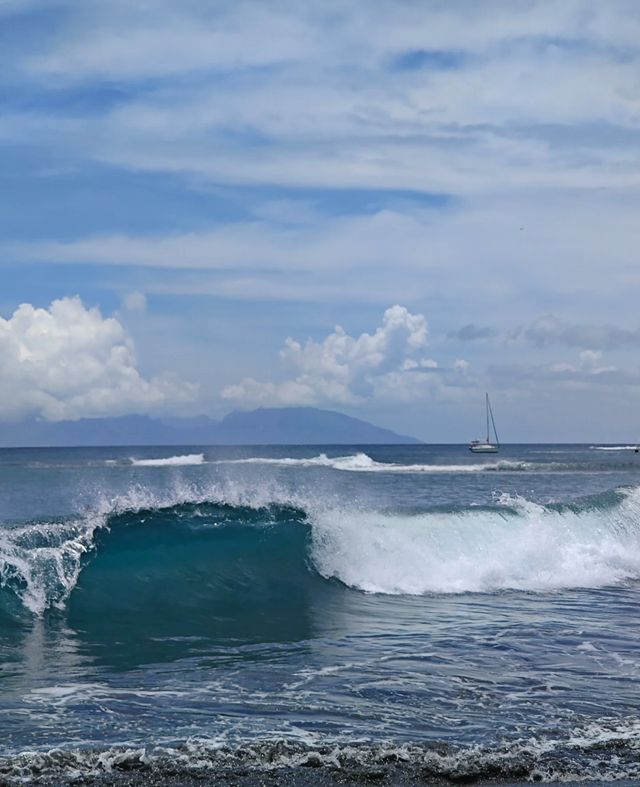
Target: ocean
point(320, 614)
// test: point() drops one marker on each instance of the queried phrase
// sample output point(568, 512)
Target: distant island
point(265, 426)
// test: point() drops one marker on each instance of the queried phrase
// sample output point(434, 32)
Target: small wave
point(170, 461)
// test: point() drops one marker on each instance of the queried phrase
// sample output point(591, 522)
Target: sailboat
point(486, 446)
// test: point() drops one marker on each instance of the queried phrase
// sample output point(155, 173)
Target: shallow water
point(204, 608)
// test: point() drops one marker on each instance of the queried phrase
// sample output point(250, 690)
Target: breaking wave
point(518, 545)
point(248, 541)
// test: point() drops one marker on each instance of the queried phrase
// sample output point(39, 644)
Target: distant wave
point(614, 447)
point(170, 461)
point(363, 463)
point(359, 461)
point(255, 531)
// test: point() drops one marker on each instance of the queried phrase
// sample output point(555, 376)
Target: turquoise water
point(206, 606)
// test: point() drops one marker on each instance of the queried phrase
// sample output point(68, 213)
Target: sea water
point(203, 610)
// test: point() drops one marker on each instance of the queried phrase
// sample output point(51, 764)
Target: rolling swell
point(235, 564)
point(198, 571)
point(183, 551)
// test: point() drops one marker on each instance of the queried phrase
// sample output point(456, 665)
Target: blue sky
point(205, 190)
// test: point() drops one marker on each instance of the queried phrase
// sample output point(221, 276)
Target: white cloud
point(590, 362)
point(588, 372)
point(135, 302)
point(115, 40)
point(307, 94)
point(68, 362)
point(343, 369)
point(475, 250)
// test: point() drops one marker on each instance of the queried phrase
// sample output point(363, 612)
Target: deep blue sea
point(195, 608)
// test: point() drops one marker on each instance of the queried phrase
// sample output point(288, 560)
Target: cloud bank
point(69, 362)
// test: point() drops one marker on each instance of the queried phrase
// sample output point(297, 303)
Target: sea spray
point(41, 562)
point(519, 545)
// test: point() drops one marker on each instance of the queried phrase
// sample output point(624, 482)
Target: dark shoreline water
point(280, 762)
point(337, 615)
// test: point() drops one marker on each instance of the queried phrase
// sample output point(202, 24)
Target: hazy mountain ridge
point(272, 426)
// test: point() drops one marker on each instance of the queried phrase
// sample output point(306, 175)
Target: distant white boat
point(486, 446)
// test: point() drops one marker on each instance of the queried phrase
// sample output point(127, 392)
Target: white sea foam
point(602, 751)
point(170, 461)
point(42, 562)
point(525, 547)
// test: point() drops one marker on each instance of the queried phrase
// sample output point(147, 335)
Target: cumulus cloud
point(69, 362)
point(389, 363)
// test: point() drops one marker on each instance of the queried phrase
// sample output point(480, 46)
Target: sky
point(382, 208)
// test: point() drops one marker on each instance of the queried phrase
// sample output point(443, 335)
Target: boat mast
point(493, 423)
point(486, 404)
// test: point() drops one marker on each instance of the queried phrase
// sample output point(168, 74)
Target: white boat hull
point(483, 448)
